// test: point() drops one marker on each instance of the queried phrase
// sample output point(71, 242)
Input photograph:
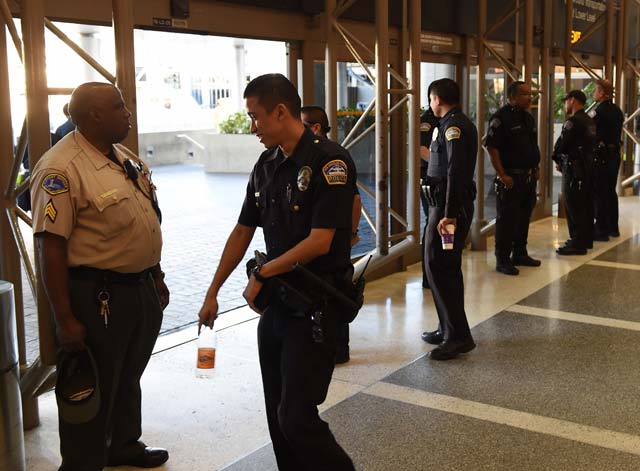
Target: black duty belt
point(519, 171)
point(109, 276)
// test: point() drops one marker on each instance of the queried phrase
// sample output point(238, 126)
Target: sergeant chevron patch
point(50, 211)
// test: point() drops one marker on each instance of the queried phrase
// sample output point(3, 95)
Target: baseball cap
point(577, 94)
point(78, 387)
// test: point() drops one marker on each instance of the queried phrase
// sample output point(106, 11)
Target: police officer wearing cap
point(573, 154)
point(428, 123)
point(606, 162)
point(315, 119)
point(512, 143)
point(451, 192)
point(301, 193)
point(96, 223)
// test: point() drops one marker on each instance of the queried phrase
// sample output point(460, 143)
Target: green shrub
point(237, 123)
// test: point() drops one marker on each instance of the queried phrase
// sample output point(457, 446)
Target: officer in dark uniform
point(428, 123)
point(573, 154)
point(450, 192)
point(512, 143)
point(606, 162)
point(301, 193)
point(315, 118)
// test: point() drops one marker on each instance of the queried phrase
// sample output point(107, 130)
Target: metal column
point(330, 69)
point(608, 47)
point(293, 54)
point(478, 240)
point(528, 41)
point(568, 24)
point(382, 126)
point(125, 64)
point(308, 95)
point(545, 111)
point(413, 155)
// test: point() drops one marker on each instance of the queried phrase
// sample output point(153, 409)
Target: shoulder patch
point(568, 125)
point(425, 127)
point(592, 113)
point(55, 184)
point(50, 211)
point(453, 133)
point(335, 172)
point(495, 123)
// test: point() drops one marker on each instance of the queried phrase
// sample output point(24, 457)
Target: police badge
point(304, 178)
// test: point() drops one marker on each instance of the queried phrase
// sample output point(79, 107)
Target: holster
point(435, 191)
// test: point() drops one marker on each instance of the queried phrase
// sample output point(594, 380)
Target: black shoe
point(434, 338)
point(452, 348)
point(149, 458)
point(342, 356)
point(601, 238)
point(614, 234)
point(525, 261)
point(507, 268)
point(571, 250)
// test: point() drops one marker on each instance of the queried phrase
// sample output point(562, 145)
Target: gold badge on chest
point(304, 178)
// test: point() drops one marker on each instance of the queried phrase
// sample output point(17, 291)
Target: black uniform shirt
point(608, 118)
point(312, 188)
point(453, 158)
point(512, 131)
point(578, 133)
point(428, 123)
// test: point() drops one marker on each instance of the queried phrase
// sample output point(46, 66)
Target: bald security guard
point(451, 192)
point(301, 193)
point(97, 224)
point(573, 154)
point(606, 163)
point(512, 143)
point(315, 118)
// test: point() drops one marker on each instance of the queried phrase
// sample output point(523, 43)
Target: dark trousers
point(122, 351)
point(444, 271)
point(296, 372)
point(514, 210)
point(578, 202)
point(425, 209)
point(605, 197)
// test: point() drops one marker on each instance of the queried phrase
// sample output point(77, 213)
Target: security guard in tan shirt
point(97, 224)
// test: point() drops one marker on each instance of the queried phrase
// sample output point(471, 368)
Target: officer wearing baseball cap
point(573, 155)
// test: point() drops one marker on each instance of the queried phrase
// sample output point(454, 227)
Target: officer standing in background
point(428, 123)
point(315, 118)
point(573, 154)
point(450, 192)
point(97, 225)
point(512, 142)
point(606, 163)
point(301, 193)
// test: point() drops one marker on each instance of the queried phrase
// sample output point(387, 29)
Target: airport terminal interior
point(553, 381)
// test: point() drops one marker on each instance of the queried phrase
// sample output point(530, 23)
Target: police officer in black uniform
point(512, 143)
point(573, 154)
point(606, 162)
point(428, 123)
point(450, 192)
point(300, 192)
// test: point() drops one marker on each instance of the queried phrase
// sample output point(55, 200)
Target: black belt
point(518, 171)
point(108, 276)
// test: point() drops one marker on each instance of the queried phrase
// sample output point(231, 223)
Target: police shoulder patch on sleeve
point(592, 113)
point(453, 133)
point(335, 172)
point(55, 184)
point(495, 123)
point(425, 127)
point(568, 125)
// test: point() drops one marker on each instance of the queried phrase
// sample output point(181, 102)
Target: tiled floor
point(553, 384)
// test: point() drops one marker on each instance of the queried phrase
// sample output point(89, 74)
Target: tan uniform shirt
point(79, 194)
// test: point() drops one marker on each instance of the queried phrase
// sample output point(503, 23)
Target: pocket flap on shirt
point(109, 198)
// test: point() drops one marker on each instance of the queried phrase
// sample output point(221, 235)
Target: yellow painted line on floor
point(595, 436)
point(575, 317)
point(624, 266)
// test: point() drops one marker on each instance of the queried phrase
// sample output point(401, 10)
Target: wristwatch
point(256, 274)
